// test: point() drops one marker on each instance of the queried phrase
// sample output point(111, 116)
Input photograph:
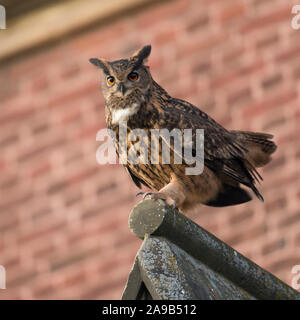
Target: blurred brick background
point(63, 217)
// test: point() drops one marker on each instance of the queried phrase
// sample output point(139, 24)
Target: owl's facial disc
point(125, 87)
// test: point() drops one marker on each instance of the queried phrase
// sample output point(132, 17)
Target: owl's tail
point(230, 196)
point(259, 146)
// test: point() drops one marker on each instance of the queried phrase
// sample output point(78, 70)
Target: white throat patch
point(124, 114)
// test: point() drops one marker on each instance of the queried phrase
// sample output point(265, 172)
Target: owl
point(231, 158)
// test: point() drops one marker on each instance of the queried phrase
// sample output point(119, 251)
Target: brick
point(44, 251)
point(39, 83)
point(44, 290)
point(14, 294)
point(202, 67)
point(110, 205)
point(9, 182)
point(261, 3)
point(227, 79)
point(11, 262)
point(231, 12)
point(72, 94)
point(273, 246)
point(8, 222)
point(161, 13)
point(31, 65)
point(275, 122)
point(41, 127)
point(290, 220)
point(71, 117)
point(297, 239)
point(75, 278)
point(289, 54)
point(56, 187)
point(99, 106)
point(82, 175)
point(32, 152)
point(24, 278)
point(70, 70)
point(106, 187)
point(15, 200)
point(92, 40)
point(270, 103)
point(288, 138)
point(36, 151)
point(107, 267)
point(204, 45)
point(272, 17)
point(91, 130)
point(98, 290)
point(41, 212)
point(73, 199)
point(73, 155)
point(268, 40)
point(297, 154)
point(241, 217)
point(164, 37)
point(197, 23)
point(8, 140)
point(283, 263)
point(286, 180)
point(296, 73)
point(116, 280)
point(9, 87)
point(272, 81)
point(17, 115)
point(232, 55)
point(239, 96)
point(71, 258)
point(2, 165)
point(276, 204)
point(276, 163)
point(32, 235)
point(208, 104)
point(40, 169)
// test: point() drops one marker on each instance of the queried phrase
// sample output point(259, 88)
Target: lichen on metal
point(161, 271)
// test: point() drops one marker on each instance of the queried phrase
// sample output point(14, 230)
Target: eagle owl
point(230, 157)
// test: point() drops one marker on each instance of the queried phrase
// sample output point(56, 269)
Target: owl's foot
point(159, 195)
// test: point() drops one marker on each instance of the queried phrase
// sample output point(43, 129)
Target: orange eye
point(110, 80)
point(133, 76)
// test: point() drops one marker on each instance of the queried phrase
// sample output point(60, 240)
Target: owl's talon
point(146, 194)
point(158, 195)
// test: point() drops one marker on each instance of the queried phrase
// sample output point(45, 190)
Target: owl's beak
point(122, 88)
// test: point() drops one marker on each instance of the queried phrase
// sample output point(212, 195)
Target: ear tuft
point(144, 53)
point(95, 62)
point(100, 64)
point(141, 55)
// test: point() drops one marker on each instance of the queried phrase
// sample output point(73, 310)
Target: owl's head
point(124, 77)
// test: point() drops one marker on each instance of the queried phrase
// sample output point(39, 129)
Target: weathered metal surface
point(134, 282)
point(202, 250)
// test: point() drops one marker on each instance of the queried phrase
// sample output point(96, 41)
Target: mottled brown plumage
point(230, 157)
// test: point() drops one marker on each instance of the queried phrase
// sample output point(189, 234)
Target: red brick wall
point(63, 217)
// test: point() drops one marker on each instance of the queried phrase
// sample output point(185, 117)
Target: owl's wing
point(137, 181)
point(134, 178)
point(222, 153)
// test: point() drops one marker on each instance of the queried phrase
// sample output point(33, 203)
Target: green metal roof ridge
point(157, 219)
